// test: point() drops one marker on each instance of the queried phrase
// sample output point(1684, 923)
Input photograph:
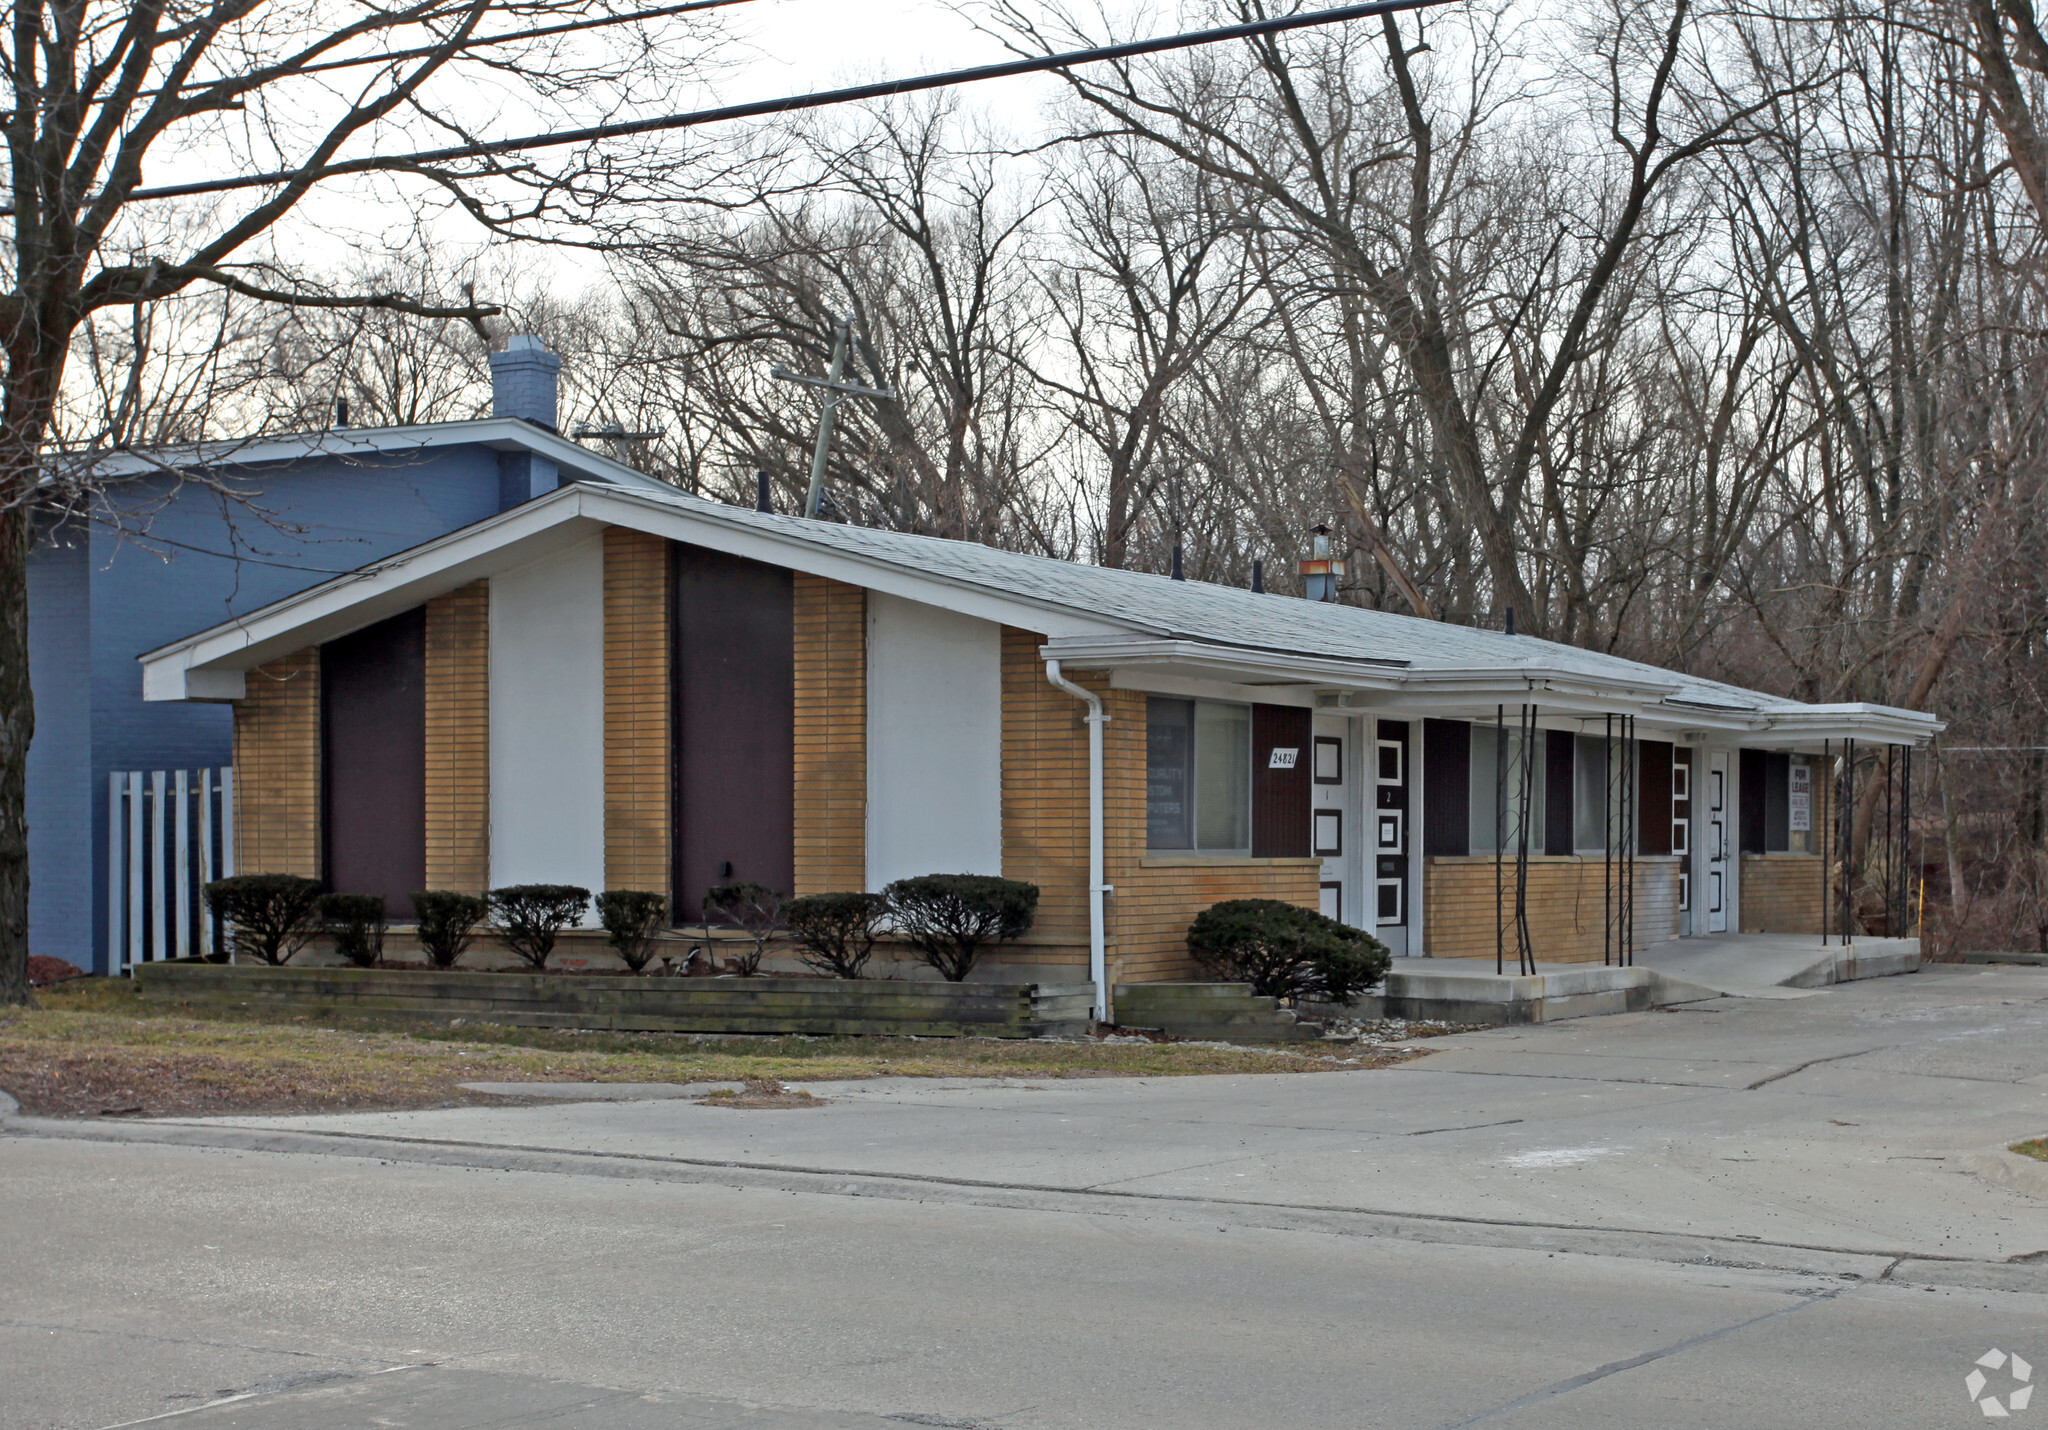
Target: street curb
point(2025, 1175)
point(8, 1107)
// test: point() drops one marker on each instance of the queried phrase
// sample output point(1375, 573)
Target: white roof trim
point(501, 433)
point(206, 666)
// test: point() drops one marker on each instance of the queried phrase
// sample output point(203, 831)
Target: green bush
point(447, 922)
point(271, 915)
point(835, 933)
point(755, 909)
point(948, 917)
point(529, 917)
point(356, 922)
point(633, 919)
point(1285, 951)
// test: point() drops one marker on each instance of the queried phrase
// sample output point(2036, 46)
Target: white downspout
point(1098, 961)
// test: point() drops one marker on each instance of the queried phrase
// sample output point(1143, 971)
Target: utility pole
point(837, 389)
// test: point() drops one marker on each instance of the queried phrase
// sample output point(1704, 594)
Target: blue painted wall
point(200, 558)
point(59, 821)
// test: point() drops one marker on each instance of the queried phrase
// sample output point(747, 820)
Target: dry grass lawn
point(94, 1048)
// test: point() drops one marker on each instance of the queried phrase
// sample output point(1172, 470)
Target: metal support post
point(1500, 833)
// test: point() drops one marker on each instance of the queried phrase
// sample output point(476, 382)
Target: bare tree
point(100, 94)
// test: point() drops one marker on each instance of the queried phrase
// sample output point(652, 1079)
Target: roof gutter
point(1098, 960)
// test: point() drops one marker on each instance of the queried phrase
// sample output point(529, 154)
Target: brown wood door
point(373, 761)
point(1282, 794)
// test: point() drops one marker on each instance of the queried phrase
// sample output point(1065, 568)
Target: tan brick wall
point(458, 784)
point(277, 768)
point(831, 736)
point(1566, 903)
point(1045, 831)
point(1045, 790)
point(1157, 900)
point(637, 759)
point(1781, 893)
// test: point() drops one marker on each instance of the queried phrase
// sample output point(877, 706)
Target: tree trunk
point(17, 727)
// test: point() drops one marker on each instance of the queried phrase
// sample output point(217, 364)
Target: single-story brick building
point(625, 688)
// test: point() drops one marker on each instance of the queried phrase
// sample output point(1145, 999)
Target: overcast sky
point(785, 47)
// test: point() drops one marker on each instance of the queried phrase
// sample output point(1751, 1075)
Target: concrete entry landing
point(1768, 965)
point(1460, 990)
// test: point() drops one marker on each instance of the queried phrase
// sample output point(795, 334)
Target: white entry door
point(1333, 820)
point(1717, 842)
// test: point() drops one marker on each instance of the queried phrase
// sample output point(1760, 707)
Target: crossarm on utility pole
point(837, 389)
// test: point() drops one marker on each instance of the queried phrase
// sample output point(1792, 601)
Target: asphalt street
point(1747, 1212)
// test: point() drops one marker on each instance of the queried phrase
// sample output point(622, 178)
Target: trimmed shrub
point(947, 918)
point(755, 909)
point(1285, 951)
point(529, 917)
point(271, 915)
point(357, 923)
point(633, 920)
point(447, 922)
point(835, 933)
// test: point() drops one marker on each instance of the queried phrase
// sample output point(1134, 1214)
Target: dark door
point(373, 746)
point(1282, 795)
point(734, 645)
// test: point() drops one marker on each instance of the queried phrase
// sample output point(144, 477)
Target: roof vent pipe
point(1258, 577)
point(1509, 627)
point(525, 381)
point(341, 412)
point(761, 501)
point(1176, 563)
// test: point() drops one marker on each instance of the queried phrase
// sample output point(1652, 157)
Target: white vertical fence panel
point(159, 886)
point(205, 860)
point(160, 858)
point(227, 822)
point(138, 935)
point(181, 872)
point(117, 876)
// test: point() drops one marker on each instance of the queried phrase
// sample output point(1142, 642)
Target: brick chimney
point(524, 381)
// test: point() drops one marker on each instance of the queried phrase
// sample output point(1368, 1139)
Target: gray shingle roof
point(1224, 615)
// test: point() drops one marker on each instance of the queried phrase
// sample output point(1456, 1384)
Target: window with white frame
point(1198, 776)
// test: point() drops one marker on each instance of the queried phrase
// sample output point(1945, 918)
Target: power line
point(510, 37)
point(761, 107)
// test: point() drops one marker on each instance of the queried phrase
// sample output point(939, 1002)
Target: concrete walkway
point(1774, 965)
point(1686, 970)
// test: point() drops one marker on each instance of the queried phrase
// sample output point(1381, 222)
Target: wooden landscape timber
point(821, 1007)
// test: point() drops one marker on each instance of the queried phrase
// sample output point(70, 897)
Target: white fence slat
point(136, 933)
point(205, 861)
point(181, 858)
point(155, 901)
point(117, 943)
point(227, 822)
point(159, 905)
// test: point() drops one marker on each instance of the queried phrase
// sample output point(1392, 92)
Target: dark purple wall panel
point(734, 645)
point(1653, 785)
point(373, 761)
point(1446, 787)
